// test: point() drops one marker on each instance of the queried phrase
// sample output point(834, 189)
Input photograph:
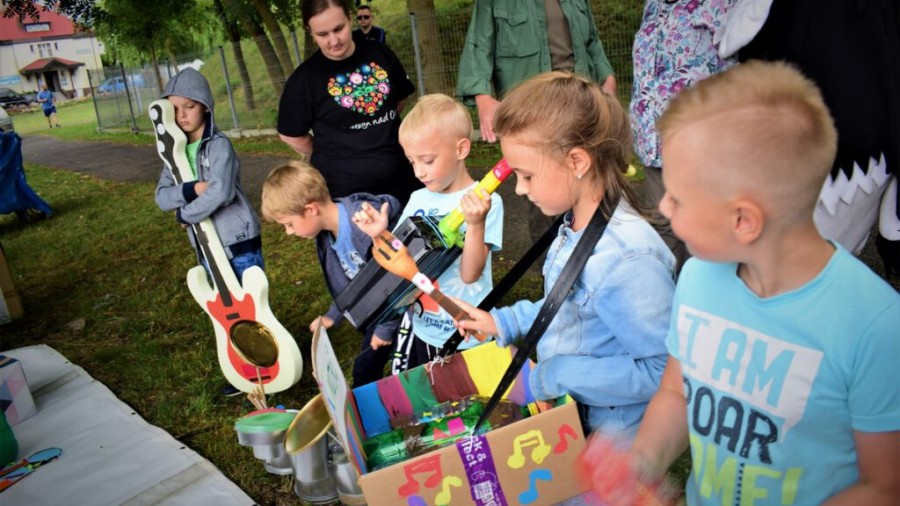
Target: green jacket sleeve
point(595, 50)
point(476, 64)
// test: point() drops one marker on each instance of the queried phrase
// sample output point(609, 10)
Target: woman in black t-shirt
point(341, 107)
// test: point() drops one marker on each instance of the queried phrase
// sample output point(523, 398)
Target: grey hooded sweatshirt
point(224, 200)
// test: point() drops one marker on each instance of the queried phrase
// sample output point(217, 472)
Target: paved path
point(141, 164)
point(134, 164)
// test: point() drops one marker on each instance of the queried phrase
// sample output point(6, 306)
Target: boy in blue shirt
point(295, 196)
point(48, 105)
point(435, 136)
point(783, 346)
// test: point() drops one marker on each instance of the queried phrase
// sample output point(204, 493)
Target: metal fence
point(121, 95)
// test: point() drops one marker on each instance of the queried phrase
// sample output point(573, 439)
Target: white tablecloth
point(110, 454)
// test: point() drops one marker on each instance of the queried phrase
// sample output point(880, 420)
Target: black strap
point(552, 302)
point(509, 279)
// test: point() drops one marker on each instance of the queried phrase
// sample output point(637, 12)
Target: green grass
point(122, 274)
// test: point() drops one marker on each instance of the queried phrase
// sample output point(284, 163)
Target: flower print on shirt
point(673, 49)
point(364, 90)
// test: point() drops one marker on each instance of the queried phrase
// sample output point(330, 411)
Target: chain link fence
point(247, 77)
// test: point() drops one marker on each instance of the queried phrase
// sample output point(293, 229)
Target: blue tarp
point(15, 194)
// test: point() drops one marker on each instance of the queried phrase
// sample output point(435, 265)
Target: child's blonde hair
point(559, 111)
point(774, 134)
point(436, 111)
point(290, 187)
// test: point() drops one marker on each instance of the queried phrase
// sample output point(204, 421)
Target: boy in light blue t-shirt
point(435, 137)
point(783, 347)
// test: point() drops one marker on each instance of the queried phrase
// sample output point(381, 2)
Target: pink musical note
point(430, 464)
point(564, 430)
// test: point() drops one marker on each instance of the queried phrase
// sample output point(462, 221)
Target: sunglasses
point(363, 16)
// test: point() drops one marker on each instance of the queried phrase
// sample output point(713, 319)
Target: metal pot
point(264, 432)
point(348, 490)
point(306, 443)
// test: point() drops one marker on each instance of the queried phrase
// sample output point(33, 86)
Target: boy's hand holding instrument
point(392, 255)
point(449, 225)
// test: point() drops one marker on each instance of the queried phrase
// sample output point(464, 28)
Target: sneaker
point(230, 391)
point(58, 126)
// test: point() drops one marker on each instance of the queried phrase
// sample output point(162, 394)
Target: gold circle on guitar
point(254, 343)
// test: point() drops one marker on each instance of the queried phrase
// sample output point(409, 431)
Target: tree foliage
point(138, 30)
point(82, 11)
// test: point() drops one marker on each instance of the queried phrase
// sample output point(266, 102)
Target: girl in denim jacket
point(569, 143)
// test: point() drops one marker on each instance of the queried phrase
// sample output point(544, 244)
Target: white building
point(48, 50)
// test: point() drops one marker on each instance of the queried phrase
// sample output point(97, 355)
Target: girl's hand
point(481, 321)
point(200, 187)
point(370, 221)
point(326, 322)
point(475, 206)
point(378, 342)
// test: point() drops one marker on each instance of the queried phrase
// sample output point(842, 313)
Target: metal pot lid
point(268, 421)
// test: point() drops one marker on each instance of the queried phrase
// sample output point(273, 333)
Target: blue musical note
point(415, 500)
point(531, 495)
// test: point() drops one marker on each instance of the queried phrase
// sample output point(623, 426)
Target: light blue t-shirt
point(45, 97)
point(776, 386)
point(434, 325)
point(351, 259)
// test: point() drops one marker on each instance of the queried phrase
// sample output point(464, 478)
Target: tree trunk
point(309, 45)
point(266, 51)
point(277, 36)
point(434, 70)
point(234, 37)
point(155, 61)
point(172, 66)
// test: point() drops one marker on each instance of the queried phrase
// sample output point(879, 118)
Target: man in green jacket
point(511, 40)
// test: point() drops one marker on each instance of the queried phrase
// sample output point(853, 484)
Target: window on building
point(45, 50)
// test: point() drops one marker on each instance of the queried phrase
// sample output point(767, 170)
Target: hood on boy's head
point(190, 84)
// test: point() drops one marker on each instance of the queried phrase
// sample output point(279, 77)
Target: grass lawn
point(106, 289)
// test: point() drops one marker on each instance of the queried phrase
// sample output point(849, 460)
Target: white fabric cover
point(110, 454)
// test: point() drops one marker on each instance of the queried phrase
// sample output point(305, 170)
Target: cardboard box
point(15, 397)
point(10, 305)
point(529, 462)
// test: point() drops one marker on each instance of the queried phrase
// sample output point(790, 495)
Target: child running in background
point(569, 145)
point(295, 196)
point(783, 346)
point(435, 137)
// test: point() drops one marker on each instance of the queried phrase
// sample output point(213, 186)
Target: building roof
point(50, 25)
point(45, 64)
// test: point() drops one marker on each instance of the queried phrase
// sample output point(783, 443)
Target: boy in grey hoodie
point(216, 193)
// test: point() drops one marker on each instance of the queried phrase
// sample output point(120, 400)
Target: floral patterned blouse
point(673, 49)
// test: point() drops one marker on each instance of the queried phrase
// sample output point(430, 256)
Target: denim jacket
point(606, 345)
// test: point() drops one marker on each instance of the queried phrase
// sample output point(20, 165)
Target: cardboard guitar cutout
point(230, 305)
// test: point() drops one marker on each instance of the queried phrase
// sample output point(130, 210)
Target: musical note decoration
point(531, 438)
point(444, 497)
point(565, 432)
point(430, 464)
point(416, 500)
point(531, 494)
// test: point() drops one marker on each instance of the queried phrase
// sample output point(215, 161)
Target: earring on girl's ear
point(579, 176)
